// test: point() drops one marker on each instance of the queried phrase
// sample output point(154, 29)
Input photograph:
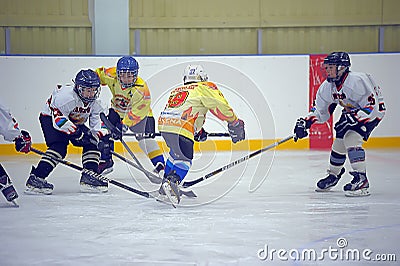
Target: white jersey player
point(63, 120)
point(10, 131)
point(363, 109)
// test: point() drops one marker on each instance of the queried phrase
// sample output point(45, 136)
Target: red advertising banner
point(321, 135)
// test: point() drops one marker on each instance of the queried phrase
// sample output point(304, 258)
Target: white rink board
point(268, 92)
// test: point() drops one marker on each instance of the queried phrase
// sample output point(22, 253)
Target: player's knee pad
point(338, 146)
point(352, 139)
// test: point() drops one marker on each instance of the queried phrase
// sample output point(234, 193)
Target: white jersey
point(358, 93)
point(8, 125)
point(66, 107)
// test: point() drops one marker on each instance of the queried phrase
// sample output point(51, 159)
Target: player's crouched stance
point(62, 121)
point(363, 109)
point(181, 123)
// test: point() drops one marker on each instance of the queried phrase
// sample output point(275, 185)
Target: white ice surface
point(225, 225)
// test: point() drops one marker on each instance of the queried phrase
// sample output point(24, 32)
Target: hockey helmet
point(342, 62)
point(127, 71)
point(194, 73)
point(87, 85)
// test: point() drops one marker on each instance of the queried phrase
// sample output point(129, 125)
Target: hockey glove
point(236, 130)
point(300, 130)
point(81, 137)
point(346, 122)
point(201, 135)
point(23, 142)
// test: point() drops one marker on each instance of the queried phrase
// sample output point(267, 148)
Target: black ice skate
point(358, 187)
point(37, 185)
point(329, 182)
point(91, 184)
point(106, 166)
point(8, 190)
point(170, 187)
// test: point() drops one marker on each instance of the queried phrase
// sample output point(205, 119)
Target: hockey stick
point(188, 193)
point(110, 126)
point(95, 175)
point(159, 134)
point(152, 177)
point(226, 167)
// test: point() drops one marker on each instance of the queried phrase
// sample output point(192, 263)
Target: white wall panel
point(268, 92)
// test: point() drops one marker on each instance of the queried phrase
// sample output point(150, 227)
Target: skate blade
point(15, 203)
point(357, 193)
point(37, 191)
point(84, 188)
point(172, 198)
point(323, 190)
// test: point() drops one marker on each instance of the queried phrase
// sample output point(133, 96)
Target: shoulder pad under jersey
point(111, 72)
point(209, 84)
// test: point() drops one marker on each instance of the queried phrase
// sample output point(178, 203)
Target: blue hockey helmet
point(87, 85)
point(127, 71)
point(342, 62)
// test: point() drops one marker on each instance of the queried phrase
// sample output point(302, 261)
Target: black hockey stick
point(226, 167)
point(159, 134)
point(111, 127)
point(152, 177)
point(95, 175)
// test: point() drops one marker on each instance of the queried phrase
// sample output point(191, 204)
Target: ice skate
point(8, 190)
point(358, 187)
point(329, 182)
point(90, 184)
point(106, 166)
point(170, 188)
point(36, 185)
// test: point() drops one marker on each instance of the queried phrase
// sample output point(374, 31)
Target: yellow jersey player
point(130, 107)
point(181, 123)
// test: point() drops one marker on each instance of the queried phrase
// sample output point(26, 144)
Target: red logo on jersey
point(177, 99)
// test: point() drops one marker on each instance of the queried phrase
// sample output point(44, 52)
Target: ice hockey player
point(363, 109)
point(62, 121)
point(130, 108)
point(181, 123)
point(10, 131)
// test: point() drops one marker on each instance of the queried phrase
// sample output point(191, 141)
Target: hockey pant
point(180, 155)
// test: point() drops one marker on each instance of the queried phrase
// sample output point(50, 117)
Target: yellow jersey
point(187, 106)
point(132, 104)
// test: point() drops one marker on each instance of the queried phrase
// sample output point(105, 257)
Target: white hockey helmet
point(194, 73)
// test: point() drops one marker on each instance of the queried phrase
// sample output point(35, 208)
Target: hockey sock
point(336, 162)
point(90, 160)
point(181, 168)
point(168, 166)
point(152, 150)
